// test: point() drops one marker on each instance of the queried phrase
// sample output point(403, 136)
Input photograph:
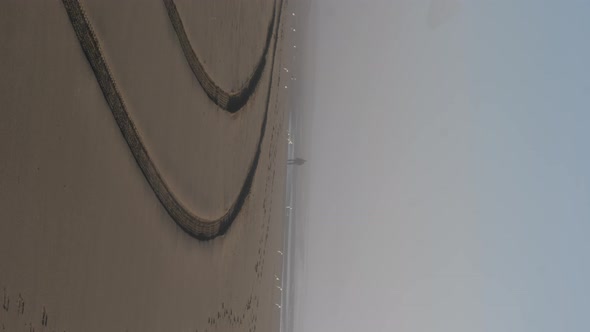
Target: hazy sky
point(449, 168)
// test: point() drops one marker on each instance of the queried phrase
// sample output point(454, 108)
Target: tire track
point(229, 101)
point(200, 228)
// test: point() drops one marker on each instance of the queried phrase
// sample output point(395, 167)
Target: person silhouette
point(296, 161)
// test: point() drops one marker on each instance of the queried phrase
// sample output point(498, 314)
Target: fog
point(447, 182)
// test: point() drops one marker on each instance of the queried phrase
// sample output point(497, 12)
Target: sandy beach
point(86, 241)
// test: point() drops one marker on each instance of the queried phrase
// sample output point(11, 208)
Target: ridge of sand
point(229, 101)
point(198, 227)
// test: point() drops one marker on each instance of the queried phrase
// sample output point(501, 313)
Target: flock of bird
point(290, 142)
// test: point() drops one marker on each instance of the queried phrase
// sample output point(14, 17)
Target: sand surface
point(85, 244)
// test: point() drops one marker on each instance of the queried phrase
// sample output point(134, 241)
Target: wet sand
point(299, 32)
point(85, 242)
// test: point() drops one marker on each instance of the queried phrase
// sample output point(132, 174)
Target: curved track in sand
point(200, 228)
point(229, 101)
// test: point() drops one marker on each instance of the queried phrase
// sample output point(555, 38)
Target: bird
point(278, 306)
point(280, 252)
